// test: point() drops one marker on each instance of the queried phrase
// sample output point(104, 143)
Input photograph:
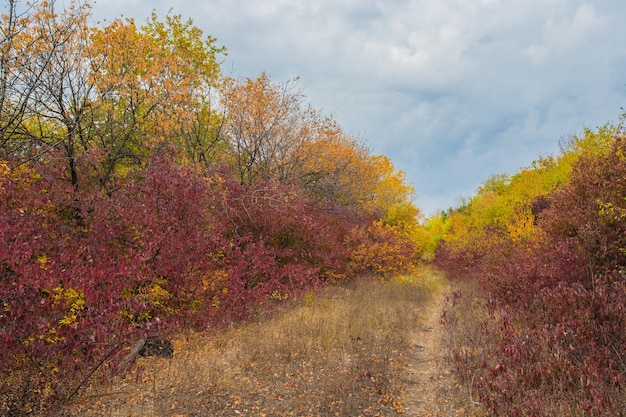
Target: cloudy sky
point(453, 91)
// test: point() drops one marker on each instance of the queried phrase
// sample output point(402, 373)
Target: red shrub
point(84, 274)
point(556, 338)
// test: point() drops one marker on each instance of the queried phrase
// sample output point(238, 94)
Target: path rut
point(431, 386)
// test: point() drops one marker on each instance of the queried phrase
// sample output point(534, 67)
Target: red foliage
point(84, 274)
point(79, 280)
point(297, 230)
point(281, 244)
point(556, 331)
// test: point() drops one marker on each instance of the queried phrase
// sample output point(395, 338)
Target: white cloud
point(560, 37)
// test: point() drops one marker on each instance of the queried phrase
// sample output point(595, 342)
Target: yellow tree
point(394, 241)
point(393, 195)
point(154, 86)
point(192, 78)
point(508, 207)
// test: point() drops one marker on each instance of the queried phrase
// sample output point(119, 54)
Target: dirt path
point(430, 385)
point(332, 355)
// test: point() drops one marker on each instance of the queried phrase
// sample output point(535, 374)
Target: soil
point(431, 386)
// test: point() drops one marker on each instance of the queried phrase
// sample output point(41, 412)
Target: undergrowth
point(337, 352)
point(478, 342)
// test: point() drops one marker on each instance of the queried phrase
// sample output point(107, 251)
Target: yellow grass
point(339, 352)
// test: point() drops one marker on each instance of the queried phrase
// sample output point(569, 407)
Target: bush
point(553, 342)
point(85, 274)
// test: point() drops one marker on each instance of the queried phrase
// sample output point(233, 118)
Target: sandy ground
point(431, 387)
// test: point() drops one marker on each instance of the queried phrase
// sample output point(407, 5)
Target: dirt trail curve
point(431, 388)
point(251, 371)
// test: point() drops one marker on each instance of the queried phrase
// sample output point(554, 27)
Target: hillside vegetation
point(544, 333)
point(142, 192)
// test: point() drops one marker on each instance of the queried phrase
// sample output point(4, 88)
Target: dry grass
point(464, 315)
point(340, 352)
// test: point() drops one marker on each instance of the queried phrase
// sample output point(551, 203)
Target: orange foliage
point(381, 250)
point(266, 125)
point(335, 168)
point(153, 87)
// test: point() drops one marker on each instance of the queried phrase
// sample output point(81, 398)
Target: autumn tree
point(338, 168)
point(273, 136)
point(46, 85)
point(154, 87)
point(267, 125)
point(393, 195)
point(18, 78)
point(105, 97)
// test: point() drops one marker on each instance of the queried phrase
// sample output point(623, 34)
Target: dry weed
point(339, 352)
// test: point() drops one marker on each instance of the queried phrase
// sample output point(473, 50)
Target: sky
point(453, 91)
